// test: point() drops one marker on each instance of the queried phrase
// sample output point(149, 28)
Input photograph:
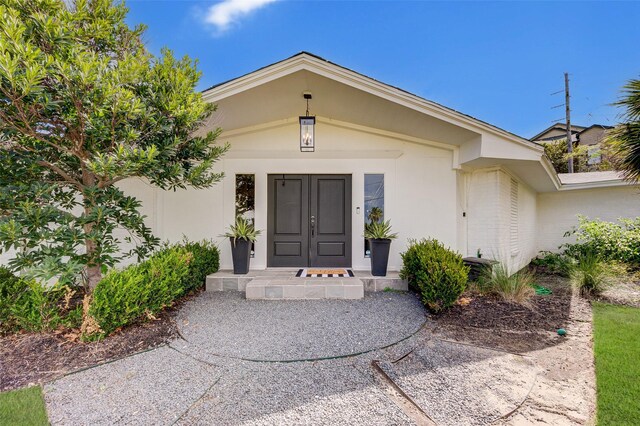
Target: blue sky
point(497, 61)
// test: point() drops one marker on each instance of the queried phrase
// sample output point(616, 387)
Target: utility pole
point(568, 113)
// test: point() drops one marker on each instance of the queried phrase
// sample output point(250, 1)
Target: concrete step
point(225, 280)
point(305, 288)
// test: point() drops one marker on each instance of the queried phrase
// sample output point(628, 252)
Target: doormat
point(324, 273)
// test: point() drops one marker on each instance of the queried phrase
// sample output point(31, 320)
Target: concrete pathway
point(375, 361)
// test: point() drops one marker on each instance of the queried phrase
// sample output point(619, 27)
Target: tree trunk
point(93, 268)
point(94, 275)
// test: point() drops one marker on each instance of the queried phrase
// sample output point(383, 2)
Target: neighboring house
point(435, 172)
point(591, 136)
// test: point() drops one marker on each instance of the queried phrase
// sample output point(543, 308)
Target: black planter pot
point(241, 252)
point(379, 256)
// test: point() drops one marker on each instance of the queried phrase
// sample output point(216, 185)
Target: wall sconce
point(307, 128)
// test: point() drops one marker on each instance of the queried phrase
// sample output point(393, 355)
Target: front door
point(309, 220)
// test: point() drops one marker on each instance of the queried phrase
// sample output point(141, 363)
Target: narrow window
point(245, 199)
point(373, 202)
point(513, 224)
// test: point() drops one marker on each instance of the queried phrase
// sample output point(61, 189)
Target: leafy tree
point(84, 105)
point(559, 156)
point(626, 135)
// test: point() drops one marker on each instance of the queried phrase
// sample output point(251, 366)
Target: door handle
point(313, 225)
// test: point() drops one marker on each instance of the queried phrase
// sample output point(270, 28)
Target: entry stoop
point(305, 288)
point(283, 284)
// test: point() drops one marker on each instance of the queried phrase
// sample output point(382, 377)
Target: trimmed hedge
point(138, 291)
point(206, 260)
point(122, 297)
point(141, 291)
point(435, 272)
point(28, 305)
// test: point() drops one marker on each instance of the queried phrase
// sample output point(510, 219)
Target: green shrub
point(138, 291)
point(26, 304)
point(608, 240)
point(205, 261)
point(10, 289)
point(435, 272)
point(500, 281)
point(556, 263)
point(590, 275)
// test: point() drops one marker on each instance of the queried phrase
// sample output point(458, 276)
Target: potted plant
point(242, 234)
point(379, 235)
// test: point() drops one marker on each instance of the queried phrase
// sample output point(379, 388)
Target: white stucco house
point(434, 172)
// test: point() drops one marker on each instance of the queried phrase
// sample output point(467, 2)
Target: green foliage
point(26, 304)
point(84, 105)
point(556, 263)
point(499, 280)
point(616, 347)
point(435, 272)
point(610, 241)
point(590, 274)
point(626, 135)
point(558, 153)
point(375, 215)
point(205, 260)
point(243, 229)
point(139, 291)
point(11, 287)
point(379, 231)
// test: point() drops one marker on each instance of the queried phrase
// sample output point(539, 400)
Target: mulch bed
point(488, 321)
point(35, 358)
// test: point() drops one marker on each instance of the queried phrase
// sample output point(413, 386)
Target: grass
point(23, 407)
point(515, 288)
point(590, 275)
point(617, 351)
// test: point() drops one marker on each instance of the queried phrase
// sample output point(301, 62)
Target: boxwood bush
point(140, 291)
point(435, 272)
point(205, 261)
point(28, 305)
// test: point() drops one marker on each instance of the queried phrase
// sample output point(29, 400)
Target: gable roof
point(600, 126)
point(310, 59)
point(574, 129)
point(557, 126)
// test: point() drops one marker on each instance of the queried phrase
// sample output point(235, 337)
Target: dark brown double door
point(309, 220)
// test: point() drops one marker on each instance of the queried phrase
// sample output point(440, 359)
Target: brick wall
point(500, 232)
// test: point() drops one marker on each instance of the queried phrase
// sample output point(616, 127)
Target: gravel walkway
point(205, 380)
point(227, 324)
point(457, 384)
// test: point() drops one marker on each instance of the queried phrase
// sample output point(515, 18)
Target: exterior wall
point(558, 211)
point(592, 136)
point(490, 227)
point(420, 188)
point(483, 226)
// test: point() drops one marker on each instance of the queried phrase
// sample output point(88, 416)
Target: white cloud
point(228, 12)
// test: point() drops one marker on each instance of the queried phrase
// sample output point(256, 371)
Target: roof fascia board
point(594, 185)
point(252, 80)
point(551, 171)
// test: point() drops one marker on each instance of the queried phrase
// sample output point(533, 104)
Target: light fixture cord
point(307, 107)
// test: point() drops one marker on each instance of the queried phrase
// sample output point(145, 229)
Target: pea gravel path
point(224, 371)
point(227, 324)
